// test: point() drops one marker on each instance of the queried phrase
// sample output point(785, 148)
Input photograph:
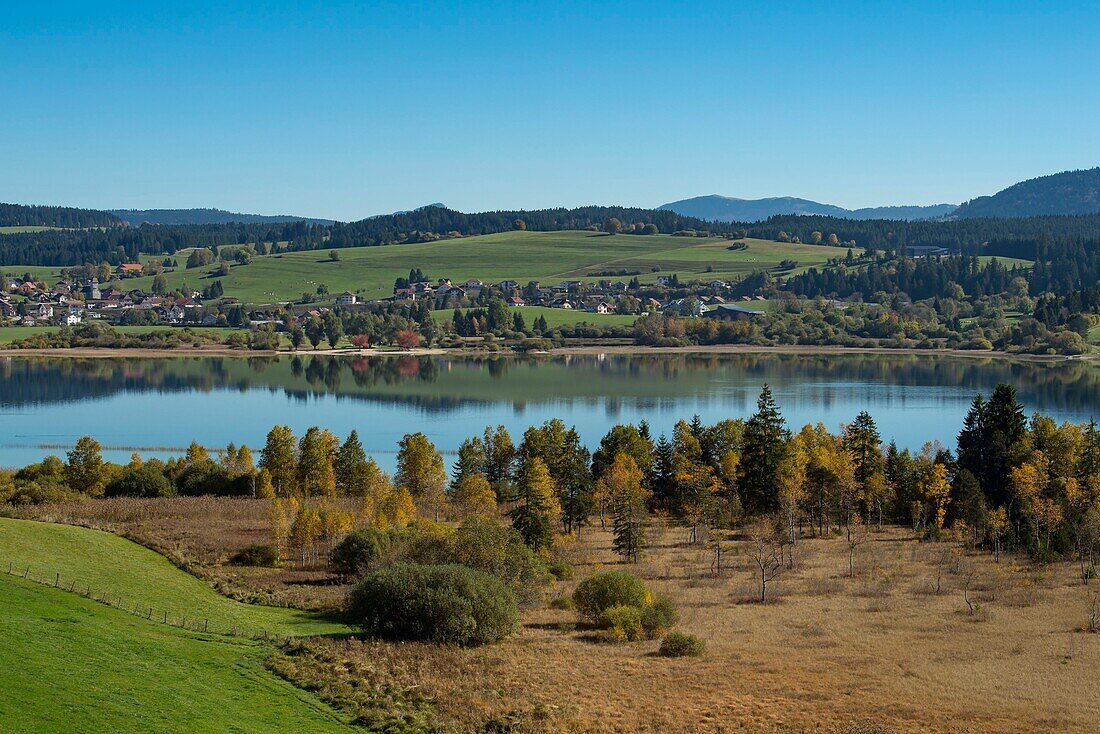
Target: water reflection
point(218, 399)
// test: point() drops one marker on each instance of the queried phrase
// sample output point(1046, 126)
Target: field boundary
point(142, 611)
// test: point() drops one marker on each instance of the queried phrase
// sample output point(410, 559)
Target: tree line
point(1012, 483)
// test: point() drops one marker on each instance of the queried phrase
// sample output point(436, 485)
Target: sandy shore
point(220, 351)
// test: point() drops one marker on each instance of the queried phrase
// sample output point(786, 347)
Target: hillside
point(523, 256)
point(730, 209)
point(137, 217)
point(1070, 192)
point(69, 664)
point(64, 217)
point(121, 568)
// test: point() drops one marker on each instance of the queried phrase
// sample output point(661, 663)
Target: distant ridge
point(1069, 192)
point(65, 217)
point(137, 217)
point(717, 208)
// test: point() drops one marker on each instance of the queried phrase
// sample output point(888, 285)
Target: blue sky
point(344, 110)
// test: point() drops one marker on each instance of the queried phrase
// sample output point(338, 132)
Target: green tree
point(536, 505)
point(160, 285)
point(334, 329)
point(862, 442)
point(315, 331)
point(85, 472)
point(624, 439)
point(351, 467)
point(763, 448)
point(472, 459)
point(613, 226)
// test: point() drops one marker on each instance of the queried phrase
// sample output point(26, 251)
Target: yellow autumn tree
point(474, 497)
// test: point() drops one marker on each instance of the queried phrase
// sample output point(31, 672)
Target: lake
point(158, 405)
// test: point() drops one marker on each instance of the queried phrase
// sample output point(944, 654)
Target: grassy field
point(556, 316)
point(118, 568)
point(68, 664)
point(9, 334)
point(523, 256)
point(25, 229)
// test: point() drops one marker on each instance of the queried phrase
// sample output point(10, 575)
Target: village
point(27, 301)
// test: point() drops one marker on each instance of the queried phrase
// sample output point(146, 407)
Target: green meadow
point(115, 568)
point(523, 256)
point(69, 664)
point(9, 334)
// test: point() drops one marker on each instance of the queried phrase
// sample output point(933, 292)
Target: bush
point(145, 481)
point(446, 604)
point(257, 555)
point(608, 589)
point(561, 570)
point(488, 546)
point(624, 621)
point(360, 551)
point(678, 645)
point(659, 617)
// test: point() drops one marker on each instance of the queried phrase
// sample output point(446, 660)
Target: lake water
point(157, 406)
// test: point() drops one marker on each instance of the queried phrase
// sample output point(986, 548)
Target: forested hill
point(137, 217)
point(1071, 192)
point(18, 215)
point(421, 225)
point(963, 235)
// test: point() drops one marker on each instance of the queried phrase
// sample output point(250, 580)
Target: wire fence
point(194, 623)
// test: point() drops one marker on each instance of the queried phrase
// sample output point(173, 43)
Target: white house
point(347, 298)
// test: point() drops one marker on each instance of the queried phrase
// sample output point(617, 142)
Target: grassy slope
point(69, 664)
point(522, 256)
point(118, 567)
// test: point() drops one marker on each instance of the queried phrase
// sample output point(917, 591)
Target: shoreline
point(617, 349)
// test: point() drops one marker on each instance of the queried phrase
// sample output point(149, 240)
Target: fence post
point(72, 586)
point(26, 572)
point(166, 617)
point(206, 626)
point(56, 580)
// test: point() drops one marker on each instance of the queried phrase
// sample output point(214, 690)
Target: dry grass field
point(881, 651)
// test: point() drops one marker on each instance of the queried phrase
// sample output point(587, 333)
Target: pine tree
point(351, 467)
point(662, 484)
point(763, 449)
point(622, 483)
point(537, 508)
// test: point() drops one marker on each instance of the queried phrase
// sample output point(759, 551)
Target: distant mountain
point(66, 217)
point(729, 209)
point(137, 217)
point(1071, 192)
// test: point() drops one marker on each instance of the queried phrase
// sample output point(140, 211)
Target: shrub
point(608, 589)
point(659, 617)
point(447, 604)
point(493, 548)
point(359, 551)
point(144, 481)
point(677, 645)
point(624, 621)
point(561, 570)
point(257, 555)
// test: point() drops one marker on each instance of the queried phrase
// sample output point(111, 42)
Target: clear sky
point(348, 109)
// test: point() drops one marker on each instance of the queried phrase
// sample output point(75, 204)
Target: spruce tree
point(763, 448)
